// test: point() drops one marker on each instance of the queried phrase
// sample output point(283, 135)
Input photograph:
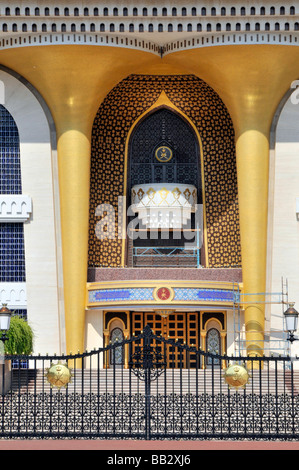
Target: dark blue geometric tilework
point(10, 167)
point(12, 253)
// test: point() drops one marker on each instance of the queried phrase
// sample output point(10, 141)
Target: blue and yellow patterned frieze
point(165, 294)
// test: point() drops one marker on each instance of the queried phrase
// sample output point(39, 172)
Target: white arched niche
point(283, 220)
point(42, 234)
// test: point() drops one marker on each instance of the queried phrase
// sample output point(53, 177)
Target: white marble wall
point(283, 239)
point(42, 230)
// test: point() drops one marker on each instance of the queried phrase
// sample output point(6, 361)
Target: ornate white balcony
point(164, 205)
point(13, 294)
point(15, 208)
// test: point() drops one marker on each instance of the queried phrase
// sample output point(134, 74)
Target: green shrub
point(20, 337)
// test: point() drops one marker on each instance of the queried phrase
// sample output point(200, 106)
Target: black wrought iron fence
point(151, 397)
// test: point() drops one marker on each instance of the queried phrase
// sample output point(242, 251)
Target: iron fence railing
point(198, 395)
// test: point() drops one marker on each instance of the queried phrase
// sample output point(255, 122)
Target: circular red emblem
point(163, 293)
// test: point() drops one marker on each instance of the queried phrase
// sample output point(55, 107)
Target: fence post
point(147, 365)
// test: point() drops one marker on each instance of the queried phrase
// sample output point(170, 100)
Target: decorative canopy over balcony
point(164, 205)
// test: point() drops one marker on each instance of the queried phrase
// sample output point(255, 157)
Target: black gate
point(207, 396)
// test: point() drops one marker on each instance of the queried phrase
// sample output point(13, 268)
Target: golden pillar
point(252, 151)
point(74, 166)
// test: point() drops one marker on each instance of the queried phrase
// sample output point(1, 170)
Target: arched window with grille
point(163, 152)
point(213, 346)
point(12, 251)
point(116, 353)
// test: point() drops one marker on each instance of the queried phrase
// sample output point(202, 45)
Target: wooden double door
point(181, 327)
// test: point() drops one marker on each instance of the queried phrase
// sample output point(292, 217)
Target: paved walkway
point(135, 446)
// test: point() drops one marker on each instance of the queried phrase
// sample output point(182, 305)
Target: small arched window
point(116, 353)
point(213, 346)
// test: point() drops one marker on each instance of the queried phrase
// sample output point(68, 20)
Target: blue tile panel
point(10, 167)
point(215, 295)
point(146, 294)
point(12, 253)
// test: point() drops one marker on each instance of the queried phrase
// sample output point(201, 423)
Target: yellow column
point(252, 150)
point(74, 168)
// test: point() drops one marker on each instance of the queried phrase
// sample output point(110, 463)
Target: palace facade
point(150, 171)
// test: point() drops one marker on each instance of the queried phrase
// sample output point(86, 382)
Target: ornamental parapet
point(14, 294)
point(15, 208)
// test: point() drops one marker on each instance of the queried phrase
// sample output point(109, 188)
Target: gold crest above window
point(163, 154)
